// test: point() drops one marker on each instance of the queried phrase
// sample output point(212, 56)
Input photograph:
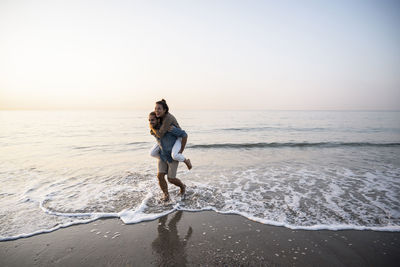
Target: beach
point(79, 194)
point(286, 112)
point(200, 239)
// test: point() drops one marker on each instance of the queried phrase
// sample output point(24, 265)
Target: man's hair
point(157, 119)
point(163, 103)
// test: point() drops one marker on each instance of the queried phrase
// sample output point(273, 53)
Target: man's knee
point(171, 180)
point(160, 175)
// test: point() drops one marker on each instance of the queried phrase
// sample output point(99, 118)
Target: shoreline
point(202, 238)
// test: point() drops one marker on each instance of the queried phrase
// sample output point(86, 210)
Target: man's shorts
point(170, 168)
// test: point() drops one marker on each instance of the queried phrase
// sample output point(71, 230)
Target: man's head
point(153, 119)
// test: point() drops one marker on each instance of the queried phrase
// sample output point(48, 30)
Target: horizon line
point(205, 109)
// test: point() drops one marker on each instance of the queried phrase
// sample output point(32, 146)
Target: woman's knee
point(155, 151)
point(175, 156)
point(178, 157)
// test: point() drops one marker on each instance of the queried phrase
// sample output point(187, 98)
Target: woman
point(167, 120)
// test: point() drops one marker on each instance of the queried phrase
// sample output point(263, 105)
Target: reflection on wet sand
point(168, 246)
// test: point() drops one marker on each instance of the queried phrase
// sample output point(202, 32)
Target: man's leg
point(179, 183)
point(172, 169)
point(163, 185)
point(162, 170)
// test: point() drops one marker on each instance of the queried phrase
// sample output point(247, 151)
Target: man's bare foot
point(183, 190)
point(165, 198)
point(188, 163)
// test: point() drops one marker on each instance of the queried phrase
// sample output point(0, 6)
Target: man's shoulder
point(178, 132)
point(168, 135)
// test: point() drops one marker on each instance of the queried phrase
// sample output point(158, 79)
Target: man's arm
point(184, 141)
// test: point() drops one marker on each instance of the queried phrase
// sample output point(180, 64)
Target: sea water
point(298, 169)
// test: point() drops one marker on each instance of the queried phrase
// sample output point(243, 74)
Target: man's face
point(153, 121)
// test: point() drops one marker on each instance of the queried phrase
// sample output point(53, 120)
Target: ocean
point(298, 169)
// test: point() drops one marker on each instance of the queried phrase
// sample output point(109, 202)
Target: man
point(166, 165)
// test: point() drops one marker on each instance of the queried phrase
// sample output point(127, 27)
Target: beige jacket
point(167, 121)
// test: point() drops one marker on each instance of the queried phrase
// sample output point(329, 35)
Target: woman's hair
point(163, 103)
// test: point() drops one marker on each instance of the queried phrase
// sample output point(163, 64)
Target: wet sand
point(200, 239)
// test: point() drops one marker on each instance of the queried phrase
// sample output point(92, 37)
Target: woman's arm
point(168, 120)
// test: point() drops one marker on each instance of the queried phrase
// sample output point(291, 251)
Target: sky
point(274, 55)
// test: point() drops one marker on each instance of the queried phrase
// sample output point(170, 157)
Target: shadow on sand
point(168, 246)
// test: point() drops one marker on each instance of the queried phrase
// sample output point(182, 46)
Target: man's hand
point(171, 128)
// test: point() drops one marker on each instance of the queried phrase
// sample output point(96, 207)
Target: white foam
point(138, 215)
point(333, 227)
point(296, 196)
point(42, 231)
point(95, 215)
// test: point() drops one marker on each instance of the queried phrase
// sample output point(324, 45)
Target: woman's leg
point(155, 151)
point(175, 151)
point(179, 156)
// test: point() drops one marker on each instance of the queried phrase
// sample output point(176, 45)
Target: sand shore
point(200, 239)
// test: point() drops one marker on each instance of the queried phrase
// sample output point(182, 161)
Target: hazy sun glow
point(200, 54)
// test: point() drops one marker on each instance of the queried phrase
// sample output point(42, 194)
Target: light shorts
point(170, 168)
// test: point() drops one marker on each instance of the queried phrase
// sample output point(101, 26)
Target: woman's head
point(161, 108)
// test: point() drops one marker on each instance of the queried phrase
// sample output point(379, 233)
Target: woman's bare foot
point(183, 190)
point(188, 163)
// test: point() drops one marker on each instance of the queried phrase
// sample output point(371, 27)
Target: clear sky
point(200, 54)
